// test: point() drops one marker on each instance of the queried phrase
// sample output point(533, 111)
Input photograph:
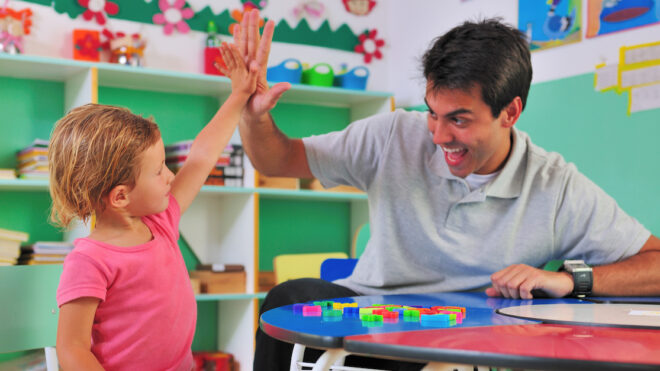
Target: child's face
point(152, 187)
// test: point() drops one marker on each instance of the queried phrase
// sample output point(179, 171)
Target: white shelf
point(303, 194)
point(143, 78)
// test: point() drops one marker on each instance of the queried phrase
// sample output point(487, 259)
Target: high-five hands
point(517, 282)
point(255, 47)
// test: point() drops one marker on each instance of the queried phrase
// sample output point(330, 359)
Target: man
point(459, 199)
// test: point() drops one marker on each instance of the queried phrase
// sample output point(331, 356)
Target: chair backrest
point(360, 239)
point(29, 312)
point(292, 266)
point(334, 269)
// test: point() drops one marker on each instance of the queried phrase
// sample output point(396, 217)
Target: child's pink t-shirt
point(147, 314)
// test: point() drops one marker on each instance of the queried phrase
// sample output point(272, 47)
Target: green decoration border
point(342, 38)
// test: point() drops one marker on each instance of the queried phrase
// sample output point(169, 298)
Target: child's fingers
point(236, 54)
point(227, 56)
point(222, 69)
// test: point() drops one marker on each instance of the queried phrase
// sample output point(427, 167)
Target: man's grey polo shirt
point(430, 233)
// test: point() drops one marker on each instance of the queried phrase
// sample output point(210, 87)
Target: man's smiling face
point(462, 124)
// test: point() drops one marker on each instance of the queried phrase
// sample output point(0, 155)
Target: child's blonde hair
point(93, 149)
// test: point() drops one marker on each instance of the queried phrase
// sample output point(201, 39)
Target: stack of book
point(7, 173)
point(32, 161)
point(228, 170)
point(45, 252)
point(10, 245)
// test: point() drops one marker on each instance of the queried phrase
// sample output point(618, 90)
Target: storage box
point(220, 282)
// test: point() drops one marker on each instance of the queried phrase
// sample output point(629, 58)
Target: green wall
point(619, 152)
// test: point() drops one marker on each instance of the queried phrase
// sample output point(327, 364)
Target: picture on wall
point(548, 24)
point(607, 16)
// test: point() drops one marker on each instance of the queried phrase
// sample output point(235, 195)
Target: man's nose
point(440, 132)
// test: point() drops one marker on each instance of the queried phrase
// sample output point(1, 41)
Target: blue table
point(328, 333)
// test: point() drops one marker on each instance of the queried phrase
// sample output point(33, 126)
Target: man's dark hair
point(487, 53)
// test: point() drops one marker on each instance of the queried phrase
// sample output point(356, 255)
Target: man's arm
point(271, 151)
point(639, 275)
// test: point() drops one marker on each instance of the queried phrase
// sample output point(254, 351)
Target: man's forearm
point(638, 275)
point(266, 146)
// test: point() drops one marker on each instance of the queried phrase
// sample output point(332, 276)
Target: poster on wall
point(548, 24)
point(607, 16)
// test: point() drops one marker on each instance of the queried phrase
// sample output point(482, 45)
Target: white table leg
point(328, 358)
point(297, 356)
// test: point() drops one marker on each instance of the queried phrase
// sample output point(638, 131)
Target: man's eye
point(432, 114)
point(458, 121)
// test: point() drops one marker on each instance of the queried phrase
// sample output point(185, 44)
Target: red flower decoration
point(369, 46)
point(96, 8)
point(89, 45)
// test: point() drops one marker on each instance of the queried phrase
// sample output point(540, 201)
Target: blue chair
point(334, 269)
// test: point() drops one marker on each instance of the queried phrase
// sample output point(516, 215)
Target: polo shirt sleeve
point(350, 156)
point(591, 226)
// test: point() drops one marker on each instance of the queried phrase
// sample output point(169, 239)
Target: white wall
point(52, 36)
point(413, 24)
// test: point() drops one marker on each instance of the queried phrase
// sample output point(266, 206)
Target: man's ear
point(118, 196)
point(511, 112)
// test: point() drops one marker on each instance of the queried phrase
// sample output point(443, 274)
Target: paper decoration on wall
point(173, 16)
point(97, 8)
point(637, 73)
point(606, 16)
point(254, 4)
point(86, 45)
point(309, 9)
point(359, 7)
point(14, 24)
point(143, 11)
point(550, 23)
point(370, 45)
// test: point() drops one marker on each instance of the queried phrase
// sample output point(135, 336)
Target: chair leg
point(297, 356)
point(51, 359)
point(328, 358)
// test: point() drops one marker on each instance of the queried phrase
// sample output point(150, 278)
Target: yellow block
point(292, 266)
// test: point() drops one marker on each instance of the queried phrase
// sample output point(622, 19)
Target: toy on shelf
point(353, 79)
point(320, 74)
point(14, 24)
point(290, 70)
point(127, 50)
point(212, 54)
point(87, 45)
point(359, 7)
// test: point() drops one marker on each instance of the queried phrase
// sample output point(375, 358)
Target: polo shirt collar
point(507, 184)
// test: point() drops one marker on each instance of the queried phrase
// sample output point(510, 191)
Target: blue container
point(353, 79)
point(290, 70)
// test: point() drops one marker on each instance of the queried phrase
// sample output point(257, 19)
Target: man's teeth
point(452, 150)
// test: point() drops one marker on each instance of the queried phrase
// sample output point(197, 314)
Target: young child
point(125, 298)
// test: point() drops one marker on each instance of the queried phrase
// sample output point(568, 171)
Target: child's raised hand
point(243, 78)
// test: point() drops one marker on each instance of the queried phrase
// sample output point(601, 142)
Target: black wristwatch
point(583, 278)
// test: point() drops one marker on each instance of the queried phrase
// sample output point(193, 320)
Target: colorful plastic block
point(312, 310)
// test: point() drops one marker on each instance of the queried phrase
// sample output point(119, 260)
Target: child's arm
point(74, 335)
point(211, 141)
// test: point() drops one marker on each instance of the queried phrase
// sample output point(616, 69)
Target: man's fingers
point(264, 44)
point(242, 37)
point(253, 33)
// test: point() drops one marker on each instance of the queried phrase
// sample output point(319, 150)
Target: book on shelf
point(228, 170)
point(45, 252)
point(10, 245)
point(7, 174)
point(32, 161)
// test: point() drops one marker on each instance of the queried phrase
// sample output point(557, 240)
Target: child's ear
point(118, 197)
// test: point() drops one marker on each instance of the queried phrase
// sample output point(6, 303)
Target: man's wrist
point(582, 276)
